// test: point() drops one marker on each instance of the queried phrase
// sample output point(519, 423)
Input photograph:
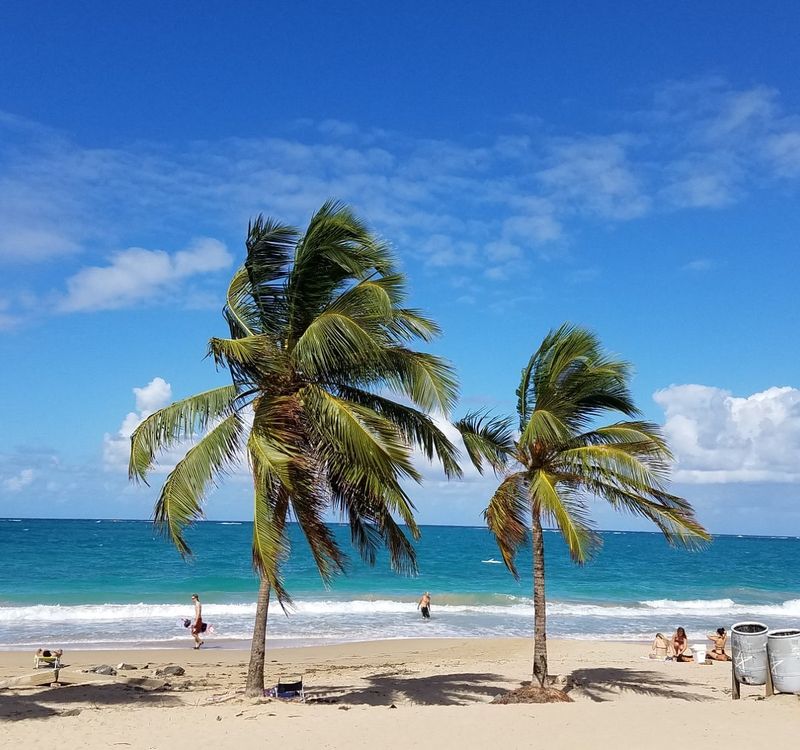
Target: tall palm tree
point(560, 459)
point(318, 354)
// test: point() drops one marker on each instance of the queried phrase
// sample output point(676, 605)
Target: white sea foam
point(660, 608)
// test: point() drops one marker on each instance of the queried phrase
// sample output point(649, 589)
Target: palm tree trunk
point(539, 614)
point(255, 672)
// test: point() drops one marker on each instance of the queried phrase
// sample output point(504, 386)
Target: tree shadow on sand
point(41, 704)
point(437, 690)
point(606, 683)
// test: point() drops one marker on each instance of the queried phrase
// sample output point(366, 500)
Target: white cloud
point(137, 275)
point(719, 438)
point(149, 398)
point(699, 264)
point(595, 176)
point(32, 244)
point(19, 481)
point(700, 145)
point(152, 397)
point(7, 321)
point(702, 182)
point(783, 150)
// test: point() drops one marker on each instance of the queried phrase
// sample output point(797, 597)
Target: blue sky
point(635, 170)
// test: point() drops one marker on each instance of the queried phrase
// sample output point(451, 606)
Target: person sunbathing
point(661, 648)
point(719, 639)
point(680, 646)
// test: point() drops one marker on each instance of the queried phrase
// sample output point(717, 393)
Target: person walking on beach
point(197, 622)
point(424, 604)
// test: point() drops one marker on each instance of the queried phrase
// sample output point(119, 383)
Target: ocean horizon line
point(109, 519)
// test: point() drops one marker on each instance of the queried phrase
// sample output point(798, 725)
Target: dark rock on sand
point(533, 694)
point(170, 670)
point(102, 669)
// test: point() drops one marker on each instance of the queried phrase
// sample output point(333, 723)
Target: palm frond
point(417, 429)
point(487, 438)
point(634, 463)
point(364, 436)
point(506, 516)
point(309, 500)
point(250, 360)
point(184, 491)
point(673, 515)
point(408, 324)
point(563, 507)
point(241, 311)
point(270, 249)
point(372, 525)
point(271, 545)
point(336, 247)
point(426, 379)
point(179, 421)
point(334, 342)
point(544, 428)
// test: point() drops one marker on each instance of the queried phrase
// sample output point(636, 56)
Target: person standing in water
point(197, 622)
point(424, 604)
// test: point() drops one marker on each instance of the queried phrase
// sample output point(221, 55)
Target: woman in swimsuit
point(718, 639)
point(680, 646)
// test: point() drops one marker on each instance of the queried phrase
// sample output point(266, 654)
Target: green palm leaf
point(567, 511)
point(506, 516)
point(179, 421)
point(487, 438)
point(182, 495)
point(416, 428)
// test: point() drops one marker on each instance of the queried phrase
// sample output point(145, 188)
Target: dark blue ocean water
point(105, 582)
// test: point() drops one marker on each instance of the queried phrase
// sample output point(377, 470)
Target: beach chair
point(288, 691)
point(50, 662)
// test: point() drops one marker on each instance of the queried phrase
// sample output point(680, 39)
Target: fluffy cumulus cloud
point(720, 438)
point(137, 275)
point(149, 398)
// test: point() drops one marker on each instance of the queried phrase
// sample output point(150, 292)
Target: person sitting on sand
point(661, 648)
point(719, 639)
point(680, 646)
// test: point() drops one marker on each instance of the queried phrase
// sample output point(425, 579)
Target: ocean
point(101, 584)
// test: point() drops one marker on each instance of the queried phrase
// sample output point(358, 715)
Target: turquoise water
point(116, 582)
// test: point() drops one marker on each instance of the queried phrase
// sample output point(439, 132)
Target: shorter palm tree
point(561, 459)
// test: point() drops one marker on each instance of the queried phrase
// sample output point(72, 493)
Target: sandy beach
point(393, 694)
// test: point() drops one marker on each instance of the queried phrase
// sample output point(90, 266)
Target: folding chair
point(290, 690)
point(51, 662)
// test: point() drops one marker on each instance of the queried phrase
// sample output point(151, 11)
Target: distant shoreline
point(20, 519)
